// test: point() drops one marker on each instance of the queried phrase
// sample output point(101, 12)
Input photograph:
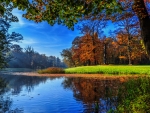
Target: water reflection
point(12, 86)
point(17, 82)
point(98, 96)
point(5, 102)
point(57, 94)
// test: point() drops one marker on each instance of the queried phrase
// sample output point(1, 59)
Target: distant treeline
point(31, 59)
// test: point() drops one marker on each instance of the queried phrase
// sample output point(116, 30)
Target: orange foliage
point(88, 50)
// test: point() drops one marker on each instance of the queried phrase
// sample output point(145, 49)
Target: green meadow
point(107, 69)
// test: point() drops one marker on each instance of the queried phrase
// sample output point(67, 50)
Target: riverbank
point(121, 78)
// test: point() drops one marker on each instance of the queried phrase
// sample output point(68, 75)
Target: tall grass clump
point(134, 96)
point(51, 70)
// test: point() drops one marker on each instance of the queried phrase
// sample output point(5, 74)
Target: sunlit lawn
point(110, 69)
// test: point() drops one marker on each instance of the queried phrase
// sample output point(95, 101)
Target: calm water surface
point(33, 94)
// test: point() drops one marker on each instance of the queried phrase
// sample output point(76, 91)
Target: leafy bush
point(51, 70)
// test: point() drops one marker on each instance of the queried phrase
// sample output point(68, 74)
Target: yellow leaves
point(122, 57)
point(14, 0)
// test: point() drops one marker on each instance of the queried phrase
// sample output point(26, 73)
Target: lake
point(34, 94)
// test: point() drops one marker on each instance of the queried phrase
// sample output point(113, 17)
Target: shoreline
point(121, 78)
point(100, 76)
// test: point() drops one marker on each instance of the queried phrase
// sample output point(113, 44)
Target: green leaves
point(6, 40)
point(66, 12)
point(2, 10)
point(134, 96)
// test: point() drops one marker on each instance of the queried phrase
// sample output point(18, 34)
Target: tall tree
point(67, 57)
point(68, 12)
point(16, 48)
point(136, 50)
point(129, 26)
point(109, 53)
point(6, 41)
point(87, 49)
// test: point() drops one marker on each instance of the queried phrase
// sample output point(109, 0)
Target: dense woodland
point(31, 59)
point(123, 45)
point(92, 50)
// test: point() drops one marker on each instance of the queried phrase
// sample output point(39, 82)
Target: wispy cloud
point(46, 39)
point(29, 41)
point(24, 22)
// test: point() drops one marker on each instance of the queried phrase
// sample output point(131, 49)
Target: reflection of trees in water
point(17, 82)
point(134, 96)
point(98, 95)
point(5, 102)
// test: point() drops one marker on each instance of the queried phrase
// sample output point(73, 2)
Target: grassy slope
point(107, 69)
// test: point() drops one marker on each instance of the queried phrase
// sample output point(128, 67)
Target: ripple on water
point(50, 96)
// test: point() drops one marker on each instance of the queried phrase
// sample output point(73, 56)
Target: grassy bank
point(133, 96)
point(107, 69)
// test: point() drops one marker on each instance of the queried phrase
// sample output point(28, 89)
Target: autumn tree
point(136, 49)
point(86, 50)
point(110, 51)
point(69, 12)
point(90, 25)
point(129, 27)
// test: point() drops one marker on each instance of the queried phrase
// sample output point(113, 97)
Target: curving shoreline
point(121, 78)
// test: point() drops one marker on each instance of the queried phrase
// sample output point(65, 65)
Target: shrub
point(51, 70)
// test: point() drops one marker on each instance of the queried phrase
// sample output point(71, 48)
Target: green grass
point(110, 69)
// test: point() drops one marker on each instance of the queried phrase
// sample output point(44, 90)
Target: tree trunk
point(105, 53)
point(129, 50)
point(142, 13)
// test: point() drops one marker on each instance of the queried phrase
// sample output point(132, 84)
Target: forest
point(127, 43)
point(122, 45)
point(92, 50)
point(31, 59)
point(13, 56)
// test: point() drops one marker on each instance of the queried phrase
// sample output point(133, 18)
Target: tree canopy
point(68, 12)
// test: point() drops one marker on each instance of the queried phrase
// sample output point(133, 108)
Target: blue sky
point(45, 39)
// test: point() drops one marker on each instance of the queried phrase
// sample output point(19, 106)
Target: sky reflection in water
point(60, 95)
